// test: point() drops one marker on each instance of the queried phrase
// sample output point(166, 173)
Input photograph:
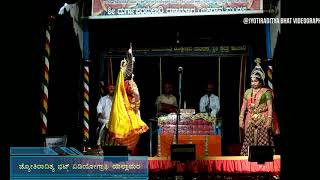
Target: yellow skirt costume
point(125, 125)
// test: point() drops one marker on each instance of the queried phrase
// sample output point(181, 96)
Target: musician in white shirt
point(210, 103)
point(166, 103)
point(103, 111)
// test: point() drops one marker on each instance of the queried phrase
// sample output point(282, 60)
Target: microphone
point(180, 69)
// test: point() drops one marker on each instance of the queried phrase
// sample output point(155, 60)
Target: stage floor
point(209, 165)
point(275, 157)
point(214, 166)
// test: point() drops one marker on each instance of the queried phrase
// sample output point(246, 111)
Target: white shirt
point(214, 104)
point(167, 99)
point(104, 107)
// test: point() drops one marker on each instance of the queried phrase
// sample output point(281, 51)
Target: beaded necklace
point(253, 99)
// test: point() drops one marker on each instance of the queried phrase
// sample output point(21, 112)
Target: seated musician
point(166, 103)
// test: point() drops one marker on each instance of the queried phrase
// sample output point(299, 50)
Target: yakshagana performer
point(125, 124)
point(258, 123)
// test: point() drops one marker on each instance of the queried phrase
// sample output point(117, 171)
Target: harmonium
point(199, 129)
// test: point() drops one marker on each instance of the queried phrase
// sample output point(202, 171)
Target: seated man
point(210, 103)
point(166, 103)
point(103, 111)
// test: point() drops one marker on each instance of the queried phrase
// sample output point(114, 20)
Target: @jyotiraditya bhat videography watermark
point(281, 20)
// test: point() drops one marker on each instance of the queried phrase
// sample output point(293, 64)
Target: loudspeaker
point(115, 150)
point(260, 154)
point(183, 152)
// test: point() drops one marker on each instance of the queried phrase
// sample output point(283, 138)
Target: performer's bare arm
point(242, 111)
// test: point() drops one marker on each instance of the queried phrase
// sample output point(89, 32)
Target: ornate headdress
point(128, 63)
point(257, 71)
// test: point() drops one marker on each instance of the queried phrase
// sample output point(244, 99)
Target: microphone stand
point(179, 105)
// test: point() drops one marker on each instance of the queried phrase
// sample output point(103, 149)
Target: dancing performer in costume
point(125, 124)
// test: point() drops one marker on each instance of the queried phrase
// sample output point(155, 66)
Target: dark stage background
point(24, 48)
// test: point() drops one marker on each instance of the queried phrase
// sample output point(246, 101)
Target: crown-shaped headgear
point(128, 64)
point(257, 71)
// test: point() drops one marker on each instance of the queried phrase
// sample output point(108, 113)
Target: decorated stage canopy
point(194, 51)
point(105, 9)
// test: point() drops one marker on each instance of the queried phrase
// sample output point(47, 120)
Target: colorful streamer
point(269, 73)
point(86, 104)
point(45, 82)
